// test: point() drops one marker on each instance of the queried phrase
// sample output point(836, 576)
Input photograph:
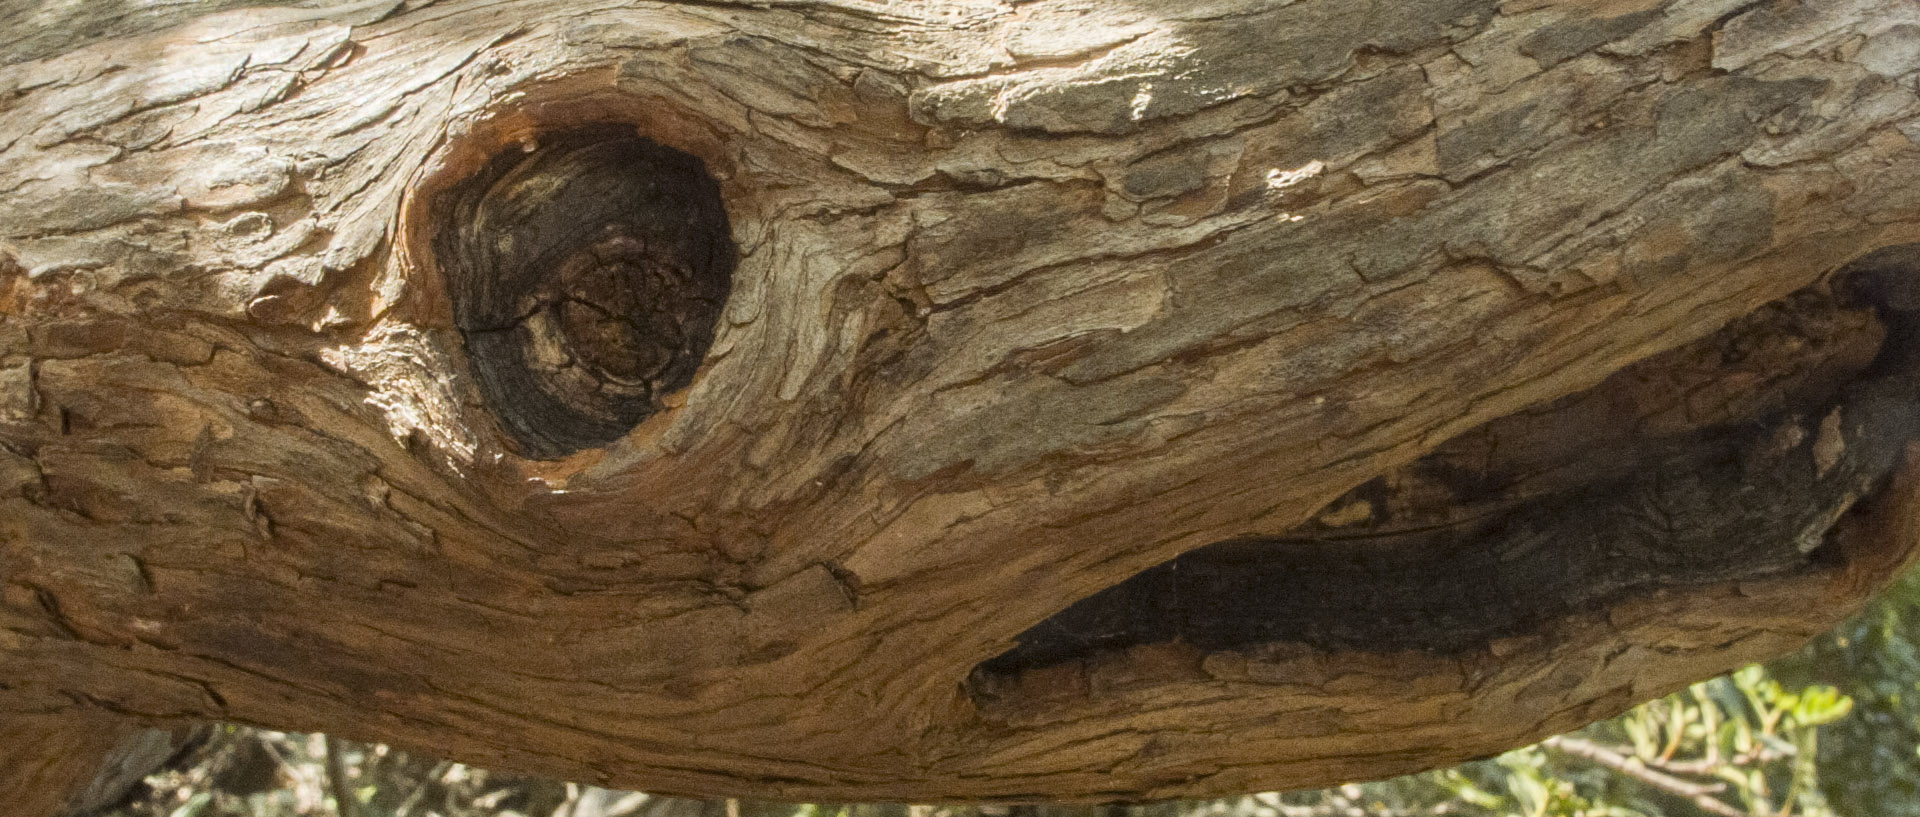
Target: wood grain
point(1028, 300)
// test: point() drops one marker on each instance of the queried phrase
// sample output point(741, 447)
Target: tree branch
point(343, 800)
point(1697, 793)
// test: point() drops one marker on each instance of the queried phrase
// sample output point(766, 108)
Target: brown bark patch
point(1727, 459)
point(586, 270)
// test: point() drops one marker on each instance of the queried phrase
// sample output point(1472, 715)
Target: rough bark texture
point(1472, 369)
point(51, 760)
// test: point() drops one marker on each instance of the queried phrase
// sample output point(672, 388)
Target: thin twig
point(420, 788)
point(1759, 754)
point(343, 803)
point(1699, 794)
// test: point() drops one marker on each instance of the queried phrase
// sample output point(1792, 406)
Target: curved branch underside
point(1079, 400)
point(63, 753)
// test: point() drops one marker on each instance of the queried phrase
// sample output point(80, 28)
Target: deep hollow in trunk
point(1672, 472)
point(585, 278)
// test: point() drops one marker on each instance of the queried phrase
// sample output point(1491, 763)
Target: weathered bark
point(79, 761)
point(796, 399)
point(50, 759)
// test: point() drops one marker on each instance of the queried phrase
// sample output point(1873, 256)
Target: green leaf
point(1821, 704)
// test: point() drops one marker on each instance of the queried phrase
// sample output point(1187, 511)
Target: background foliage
point(1829, 732)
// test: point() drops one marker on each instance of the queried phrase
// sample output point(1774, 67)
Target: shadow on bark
point(1729, 458)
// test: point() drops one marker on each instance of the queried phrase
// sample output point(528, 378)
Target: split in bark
point(1727, 459)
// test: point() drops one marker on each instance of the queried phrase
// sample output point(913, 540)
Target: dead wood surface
point(336, 394)
point(61, 760)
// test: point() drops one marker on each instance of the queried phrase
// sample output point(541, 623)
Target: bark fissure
point(1477, 542)
point(1026, 301)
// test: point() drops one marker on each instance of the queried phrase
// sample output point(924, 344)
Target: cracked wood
point(1029, 300)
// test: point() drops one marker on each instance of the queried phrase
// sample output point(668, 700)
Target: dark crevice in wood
point(1726, 459)
point(586, 277)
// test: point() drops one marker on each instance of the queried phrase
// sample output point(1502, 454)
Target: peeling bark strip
point(694, 397)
